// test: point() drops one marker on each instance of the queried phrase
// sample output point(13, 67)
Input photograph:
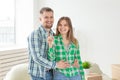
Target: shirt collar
point(60, 36)
point(44, 30)
point(71, 43)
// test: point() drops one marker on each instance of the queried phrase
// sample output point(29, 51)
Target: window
point(7, 22)
point(16, 23)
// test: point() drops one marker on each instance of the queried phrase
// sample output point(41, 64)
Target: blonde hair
point(70, 35)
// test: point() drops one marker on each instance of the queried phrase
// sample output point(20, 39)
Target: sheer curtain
point(7, 22)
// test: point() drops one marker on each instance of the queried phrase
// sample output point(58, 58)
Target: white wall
point(97, 26)
point(24, 21)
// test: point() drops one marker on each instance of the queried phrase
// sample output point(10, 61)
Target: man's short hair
point(45, 9)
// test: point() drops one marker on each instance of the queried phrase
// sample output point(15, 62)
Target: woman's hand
point(76, 64)
point(62, 64)
point(50, 40)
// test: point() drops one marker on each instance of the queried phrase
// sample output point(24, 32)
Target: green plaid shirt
point(58, 52)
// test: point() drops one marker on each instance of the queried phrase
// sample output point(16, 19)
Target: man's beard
point(48, 27)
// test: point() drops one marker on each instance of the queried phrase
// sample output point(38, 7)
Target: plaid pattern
point(58, 52)
point(38, 48)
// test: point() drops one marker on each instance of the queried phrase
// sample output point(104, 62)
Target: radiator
point(10, 58)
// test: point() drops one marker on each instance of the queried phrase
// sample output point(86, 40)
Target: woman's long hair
point(70, 35)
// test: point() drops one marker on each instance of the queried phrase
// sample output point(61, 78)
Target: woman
point(64, 46)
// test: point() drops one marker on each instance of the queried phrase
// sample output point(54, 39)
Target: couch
point(18, 72)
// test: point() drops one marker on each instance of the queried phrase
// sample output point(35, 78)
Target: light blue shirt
point(38, 50)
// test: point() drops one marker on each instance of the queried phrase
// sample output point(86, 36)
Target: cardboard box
point(116, 71)
point(93, 76)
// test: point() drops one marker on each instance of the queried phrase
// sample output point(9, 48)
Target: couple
point(57, 56)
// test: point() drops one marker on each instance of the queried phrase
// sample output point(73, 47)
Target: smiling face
point(63, 27)
point(47, 19)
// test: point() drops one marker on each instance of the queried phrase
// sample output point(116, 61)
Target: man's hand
point(50, 40)
point(76, 64)
point(62, 64)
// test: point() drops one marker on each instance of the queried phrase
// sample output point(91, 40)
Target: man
point(39, 65)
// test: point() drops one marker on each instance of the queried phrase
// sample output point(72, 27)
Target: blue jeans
point(61, 76)
point(49, 76)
